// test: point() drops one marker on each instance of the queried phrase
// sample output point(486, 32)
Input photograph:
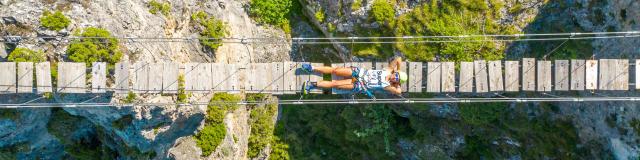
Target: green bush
point(156, 7)
point(382, 12)
point(99, 46)
point(26, 55)
point(210, 137)
point(182, 94)
point(56, 21)
point(214, 131)
point(356, 5)
point(211, 29)
point(262, 126)
point(274, 12)
point(482, 114)
point(319, 15)
point(130, 97)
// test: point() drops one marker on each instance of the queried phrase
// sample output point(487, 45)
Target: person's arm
point(393, 89)
point(395, 64)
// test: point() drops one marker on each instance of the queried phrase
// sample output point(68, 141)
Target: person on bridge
point(360, 79)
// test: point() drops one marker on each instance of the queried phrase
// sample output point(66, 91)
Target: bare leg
point(339, 71)
point(340, 84)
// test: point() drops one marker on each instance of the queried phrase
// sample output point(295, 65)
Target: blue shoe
point(307, 67)
point(307, 87)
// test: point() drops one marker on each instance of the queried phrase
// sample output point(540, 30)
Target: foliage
point(635, 124)
point(182, 94)
point(156, 7)
point(319, 15)
point(130, 97)
point(448, 19)
point(210, 137)
point(278, 149)
point(482, 113)
point(274, 12)
point(262, 125)
point(356, 5)
point(211, 29)
point(26, 55)
point(382, 12)
point(122, 122)
point(54, 21)
point(214, 131)
point(100, 46)
point(9, 113)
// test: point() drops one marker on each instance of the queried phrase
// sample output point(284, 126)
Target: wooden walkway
point(478, 76)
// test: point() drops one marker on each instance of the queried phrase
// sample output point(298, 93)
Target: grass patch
point(356, 5)
point(211, 29)
point(262, 125)
point(26, 55)
point(130, 97)
point(214, 131)
point(156, 7)
point(54, 21)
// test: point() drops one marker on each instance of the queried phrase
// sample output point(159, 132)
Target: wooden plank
point(606, 76)
point(434, 76)
point(544, 76)
point(512, 76)
point(141, 72)
point(219, 77)
point(99, 77)
point(301, 77)
point(415, 77)
point(197, 77)
point(25, 77)
point(290, 81)
point(262, 76)
point(71, 77)
point(480, 76)
point(448, 77)
point(591, 74)
point(577, 74)
point(156, 72)
point(277, 80)
point(43, 78)
point(250, 84)
point(528, 74)
point(234, 72)
point(122, 77)
point(170, 73)
point(637, 84)
point(495, 76)
point(466, 77)
point(8, 74)
point(622, 78)
point(561, 77)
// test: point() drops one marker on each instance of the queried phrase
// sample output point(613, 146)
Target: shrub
point(356, 5)
point(274, 12)
point(211, 29)
point(382, 12)
point(56, 21)
point(262, 126)
point(130, 97)
point(214, 131)
point(26, 55)
point(279, 150)
point(99, 47)
point(320, 16)
point(210, 137)
point(156, 7)
point(182, 94)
